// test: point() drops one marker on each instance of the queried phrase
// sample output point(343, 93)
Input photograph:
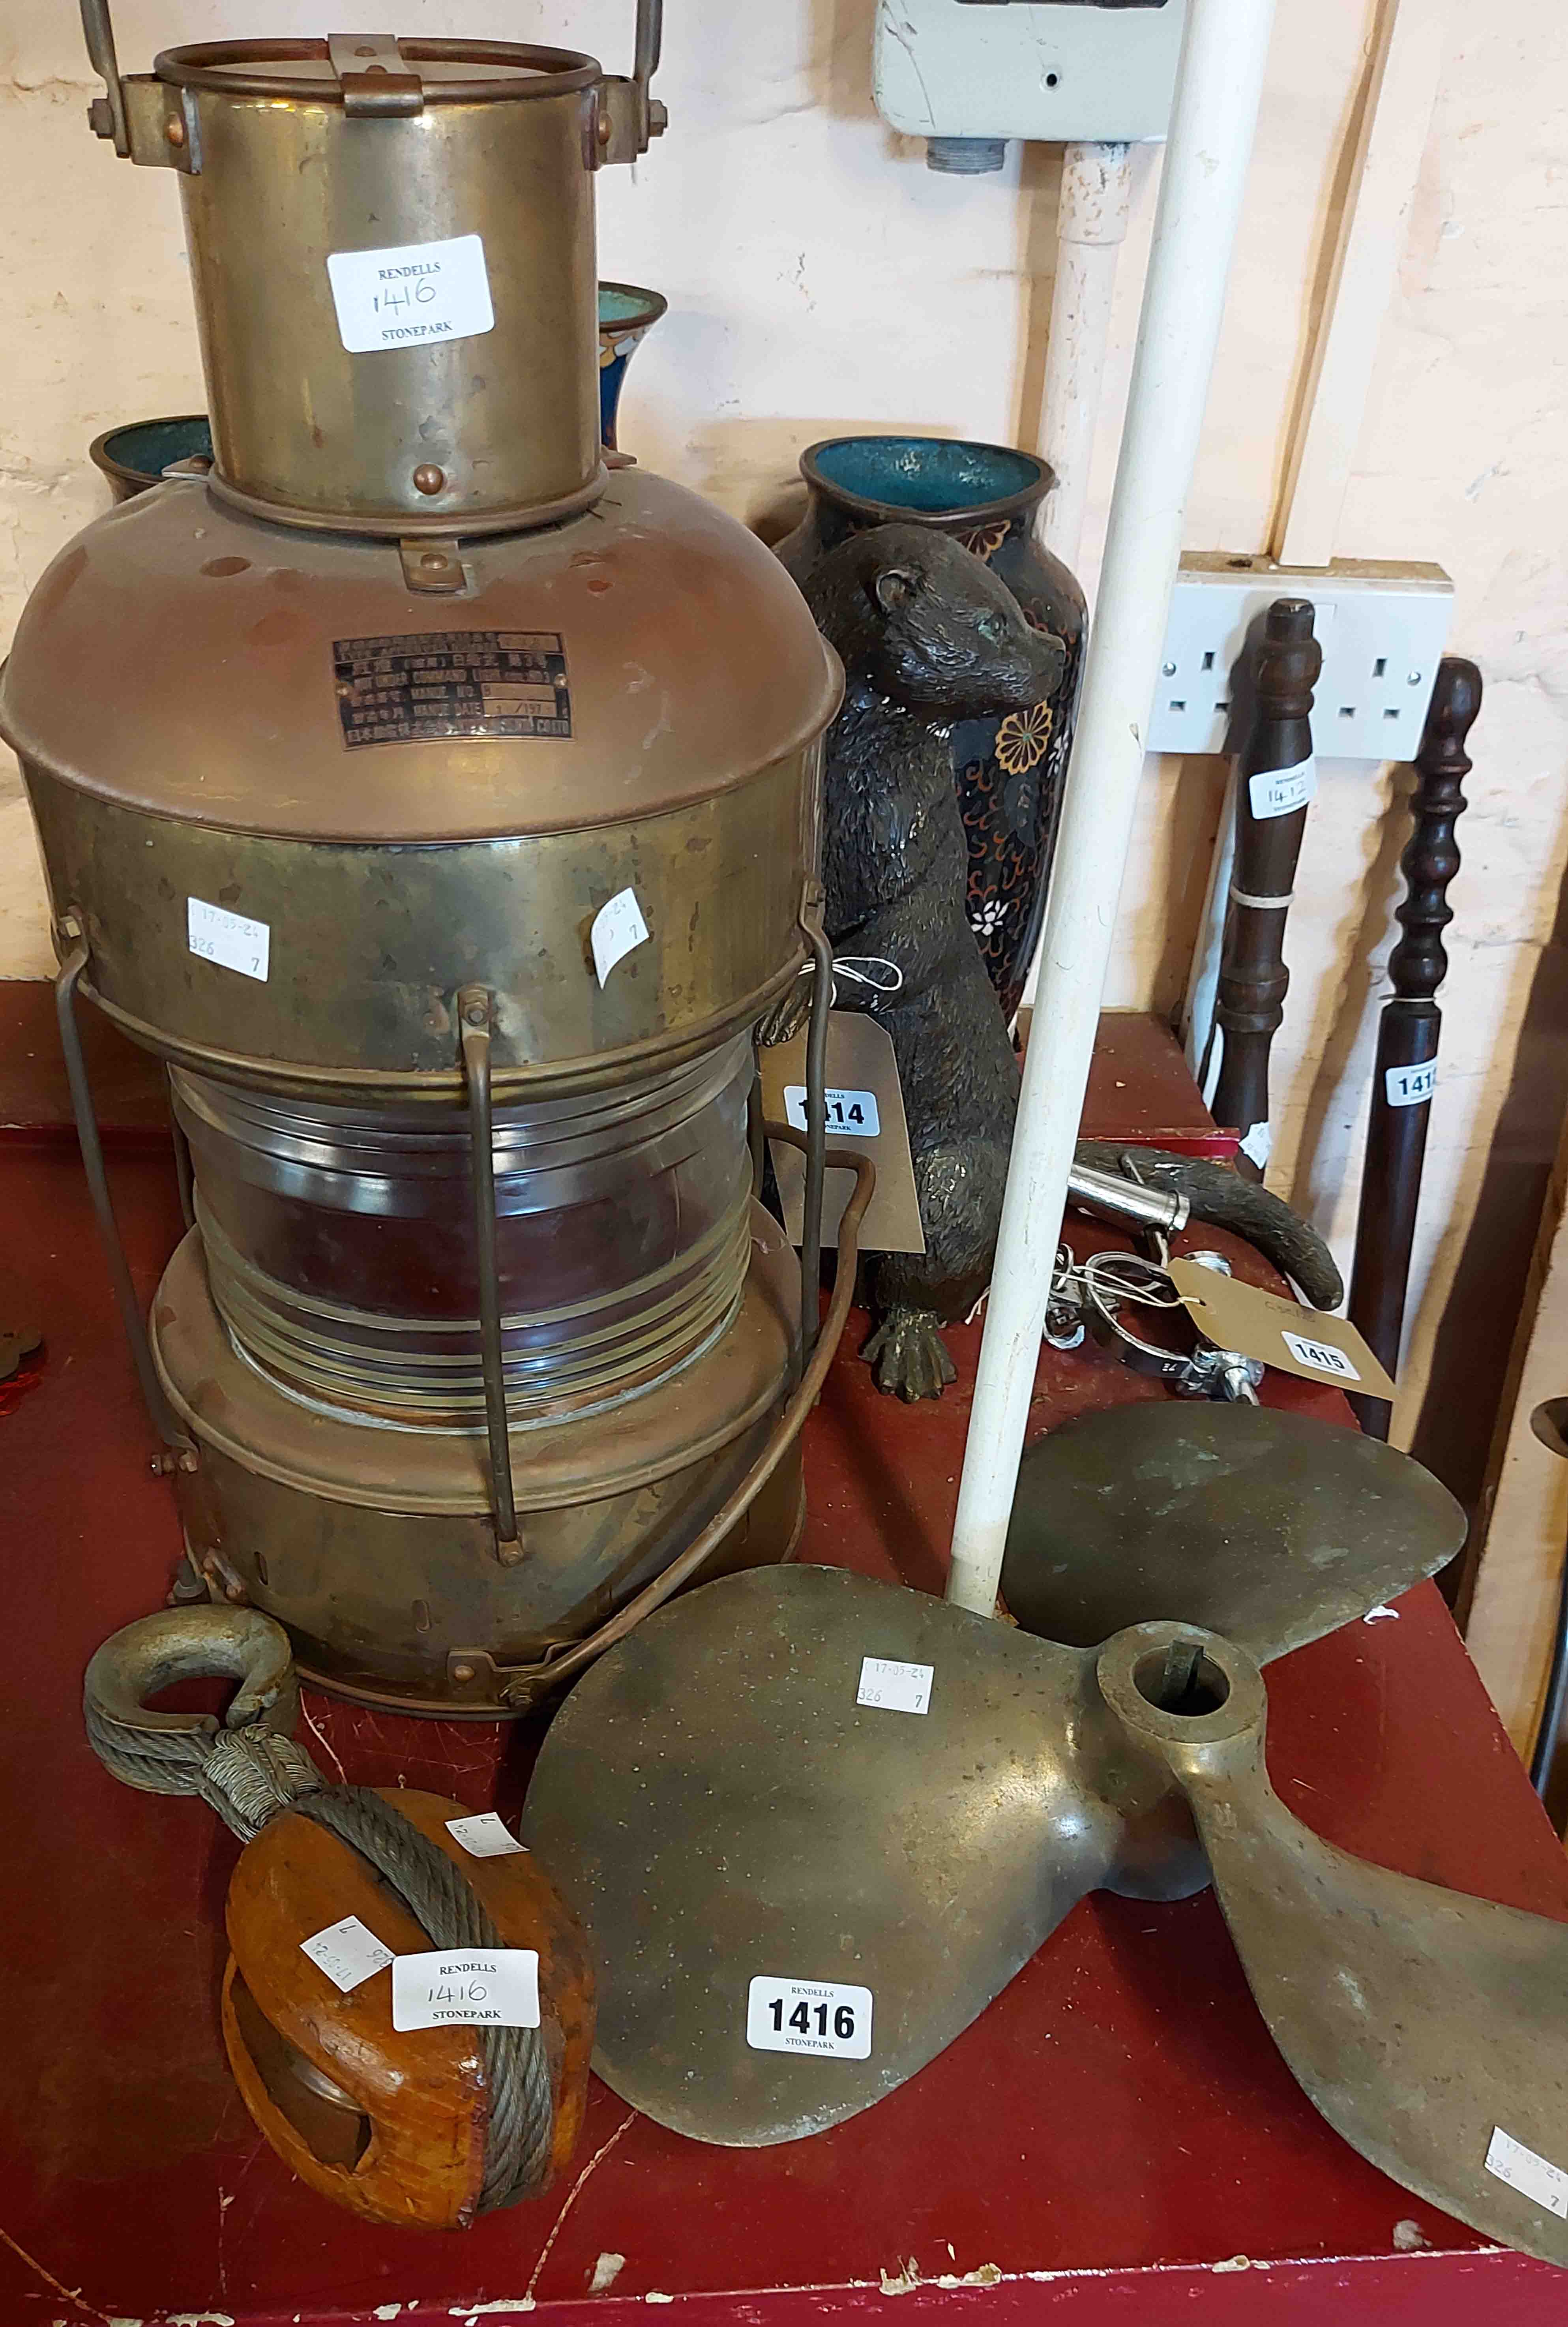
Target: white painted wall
point(820, 278)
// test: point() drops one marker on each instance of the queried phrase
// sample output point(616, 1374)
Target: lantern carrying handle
point(475, 1011)
point(524, 1686)
point(73, 963)
point(107, 114)
point(649, 40)
point(629, 120)
point(630, 117)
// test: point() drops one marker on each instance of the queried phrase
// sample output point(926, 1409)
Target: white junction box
point(1064, 71)
point(1382, 629)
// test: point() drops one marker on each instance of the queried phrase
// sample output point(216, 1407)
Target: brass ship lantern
point(441, 807)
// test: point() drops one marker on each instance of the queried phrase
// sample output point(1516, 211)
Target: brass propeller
point(1429, 2028)
point(1273, 1529)
point(719, 1808)
point(716, 1807)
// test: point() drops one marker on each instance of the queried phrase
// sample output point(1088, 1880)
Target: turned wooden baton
point(1405, 1075)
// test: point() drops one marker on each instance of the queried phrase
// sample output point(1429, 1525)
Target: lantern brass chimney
point(441, 808)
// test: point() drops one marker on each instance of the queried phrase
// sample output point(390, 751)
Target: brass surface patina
point(339, 753)
point(1162, 1510)
point(508, 420)
point(375, 1544)
point(771, 1825)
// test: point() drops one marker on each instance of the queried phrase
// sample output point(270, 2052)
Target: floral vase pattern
point(625, 316)
point(1008, 770)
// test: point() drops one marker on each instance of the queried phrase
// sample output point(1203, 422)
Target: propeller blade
point(1272, 1529)
point(1428, 2028)
point(718, 1808)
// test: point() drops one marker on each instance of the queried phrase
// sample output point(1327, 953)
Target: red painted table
point(1115, 2140)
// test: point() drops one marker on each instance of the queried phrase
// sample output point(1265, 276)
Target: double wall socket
point(1382, 630)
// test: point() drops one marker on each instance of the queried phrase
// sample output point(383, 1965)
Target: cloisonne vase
point(625, 316)
point(1009, 769)
point(136, 455)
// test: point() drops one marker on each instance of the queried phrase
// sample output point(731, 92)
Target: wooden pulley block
point(391, 2124)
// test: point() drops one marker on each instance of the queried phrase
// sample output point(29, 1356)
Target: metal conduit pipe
point(1218, 86)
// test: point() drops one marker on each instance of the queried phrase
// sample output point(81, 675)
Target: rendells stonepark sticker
point(808, 2015)
point(468, 1987)
point(411, 293)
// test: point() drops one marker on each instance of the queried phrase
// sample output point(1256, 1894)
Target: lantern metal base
point(376, 1547)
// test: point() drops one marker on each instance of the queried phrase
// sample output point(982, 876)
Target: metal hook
point(143, 1659)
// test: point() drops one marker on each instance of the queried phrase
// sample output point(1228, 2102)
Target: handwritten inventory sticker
point(411, 293)
point(618, 927)
point(476, 1988)
point(896, 1686)
point(483, 1835)
point(1531, 2175)
point(1321, 1355)
point(348, 1952)
point(847, 1110)
point(231, 939)
point(1410, 1086)
point(1279, 791)
point(808, 2015)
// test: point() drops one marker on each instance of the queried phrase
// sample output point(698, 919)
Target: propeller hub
point(1195, 1700)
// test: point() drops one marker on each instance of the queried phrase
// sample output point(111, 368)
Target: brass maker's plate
point(414, 685)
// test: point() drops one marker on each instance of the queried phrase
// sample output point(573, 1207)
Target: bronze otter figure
point(927, 635)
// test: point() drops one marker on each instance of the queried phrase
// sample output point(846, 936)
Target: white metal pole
point(1091, 225)
point(1092, 211)
point(1218, 87)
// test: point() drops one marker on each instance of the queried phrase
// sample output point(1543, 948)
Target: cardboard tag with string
point(865, 1111)
point(1278, 1332)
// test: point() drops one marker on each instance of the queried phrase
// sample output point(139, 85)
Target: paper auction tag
point(1278, 1332)
point(348, 1952)
point(808, 2015)
point(233, 940)
point(846, 1110)
point(865, 1111)
point(483, 1835)
point(1527, 2170)
point(473, 1987)
point(1410, 1086)
point(411, 291)
point(894, 1685)
point(1279, 791)
point(618, 929)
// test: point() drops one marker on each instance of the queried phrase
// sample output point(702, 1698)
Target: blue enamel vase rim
point(643, 307)
point(121, 451)
point(1039, 480)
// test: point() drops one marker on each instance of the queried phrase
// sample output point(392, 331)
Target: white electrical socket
point(1054, 70)
point(1382, 629)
